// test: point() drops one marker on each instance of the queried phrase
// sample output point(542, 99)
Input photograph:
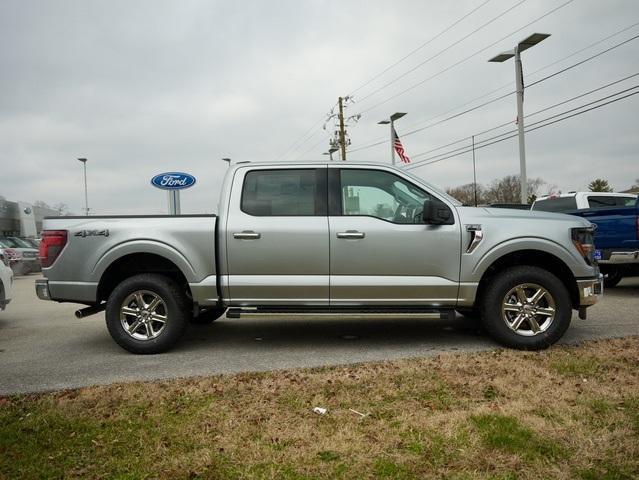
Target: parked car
point(616, 237)
point(333, 238)
point(33, 242)
point(28, 256)
point(6, 281)
point(565, 202)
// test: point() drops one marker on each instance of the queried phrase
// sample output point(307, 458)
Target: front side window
point(284, 192)
point(599, 201)
point(382, 195)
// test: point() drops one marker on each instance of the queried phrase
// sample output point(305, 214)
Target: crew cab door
point(382, 253)
point(277, 237)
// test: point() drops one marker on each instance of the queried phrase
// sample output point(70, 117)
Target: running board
point(443, 314)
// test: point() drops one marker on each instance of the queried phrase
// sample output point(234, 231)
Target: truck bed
point(95, 243)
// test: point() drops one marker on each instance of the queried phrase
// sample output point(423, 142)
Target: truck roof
point(574, 194)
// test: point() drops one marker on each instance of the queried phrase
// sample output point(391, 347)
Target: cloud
point(148, 86)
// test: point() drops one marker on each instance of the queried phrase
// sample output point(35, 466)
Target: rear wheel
point(526, 308)
point(147, 313)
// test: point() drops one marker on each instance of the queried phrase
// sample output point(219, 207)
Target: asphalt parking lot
point(44, 347)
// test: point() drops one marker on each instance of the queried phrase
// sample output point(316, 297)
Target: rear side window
point(284, 192)
point(598, 201)
point(557, 204)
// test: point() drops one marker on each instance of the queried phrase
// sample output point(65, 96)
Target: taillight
point(583, 241)
point(53, 241)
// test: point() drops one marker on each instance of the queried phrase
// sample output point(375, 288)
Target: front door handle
point(247, 235)
point(351, 234)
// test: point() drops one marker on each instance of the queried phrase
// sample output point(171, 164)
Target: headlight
point(582, 238)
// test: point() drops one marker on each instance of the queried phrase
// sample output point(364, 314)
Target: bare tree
point(466, 193)
point(41, 204)
point(61, 208)
point(507, 189)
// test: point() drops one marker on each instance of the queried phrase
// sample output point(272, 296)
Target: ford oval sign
point(173, 181)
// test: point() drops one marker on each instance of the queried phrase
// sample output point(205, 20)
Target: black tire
point(472, 313)
point(496, 294)
point(209, 315)
point(175, 308)
point(612, 277)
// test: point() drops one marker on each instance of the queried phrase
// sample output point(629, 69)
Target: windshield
point(10, 243)
point(19, 243)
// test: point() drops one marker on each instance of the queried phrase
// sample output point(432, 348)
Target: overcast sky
point(143, 87)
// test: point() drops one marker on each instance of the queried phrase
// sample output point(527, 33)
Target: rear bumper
point(590, 290)
point(42, 289)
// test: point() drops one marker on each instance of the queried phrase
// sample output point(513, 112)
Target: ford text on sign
point(173, 180)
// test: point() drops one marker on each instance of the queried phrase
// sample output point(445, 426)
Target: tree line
point(507, 190)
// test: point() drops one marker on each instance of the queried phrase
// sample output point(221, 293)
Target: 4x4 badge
point(92, 233)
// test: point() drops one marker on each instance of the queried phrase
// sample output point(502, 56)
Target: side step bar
point(444, 314)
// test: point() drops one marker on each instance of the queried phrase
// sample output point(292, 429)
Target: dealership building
point(22, 219)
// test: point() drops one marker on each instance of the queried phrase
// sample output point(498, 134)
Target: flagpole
point(391, 121)
point(392, 125)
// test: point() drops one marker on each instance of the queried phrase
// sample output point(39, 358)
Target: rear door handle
point(247, 235)
point(352, 234)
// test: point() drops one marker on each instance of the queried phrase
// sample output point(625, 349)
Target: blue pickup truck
point(616, 237)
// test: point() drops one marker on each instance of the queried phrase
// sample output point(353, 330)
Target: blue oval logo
point(173, 181)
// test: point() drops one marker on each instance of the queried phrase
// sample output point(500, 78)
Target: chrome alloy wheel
point(528, 309)
point(143, 315)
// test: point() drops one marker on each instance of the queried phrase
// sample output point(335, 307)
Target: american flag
point(399, 148)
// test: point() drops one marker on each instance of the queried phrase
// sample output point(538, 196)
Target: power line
point(315, 145)
point(415, 50)
point(581, 62)
point(424, 162)
point(531, 124)
point(465, 138)
point(432, 57)
point(305, 137)
point(421, 82)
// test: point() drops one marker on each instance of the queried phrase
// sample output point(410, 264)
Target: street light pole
point(525, 44)
point(519, 85)
point(391, 121)
point(228, 160)
point(86, 196)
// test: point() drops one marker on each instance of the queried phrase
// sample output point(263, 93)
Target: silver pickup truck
point(336, 238)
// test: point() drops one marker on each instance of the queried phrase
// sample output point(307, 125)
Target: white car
point(27, 255)
point(580, 200)
point(6, 282)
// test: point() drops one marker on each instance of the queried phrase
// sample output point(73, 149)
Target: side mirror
point(436, 212)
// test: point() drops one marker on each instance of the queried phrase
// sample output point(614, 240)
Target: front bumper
point(42, 289)
point(590, 290)
point(624, 257)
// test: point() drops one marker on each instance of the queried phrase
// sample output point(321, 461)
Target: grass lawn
point(568, 412)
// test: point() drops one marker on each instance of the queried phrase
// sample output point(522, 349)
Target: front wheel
point(527, 308)
point(147, 313)
point(612, 277)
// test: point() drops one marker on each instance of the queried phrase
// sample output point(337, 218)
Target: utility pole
point(342, 135)
point(474, 173)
